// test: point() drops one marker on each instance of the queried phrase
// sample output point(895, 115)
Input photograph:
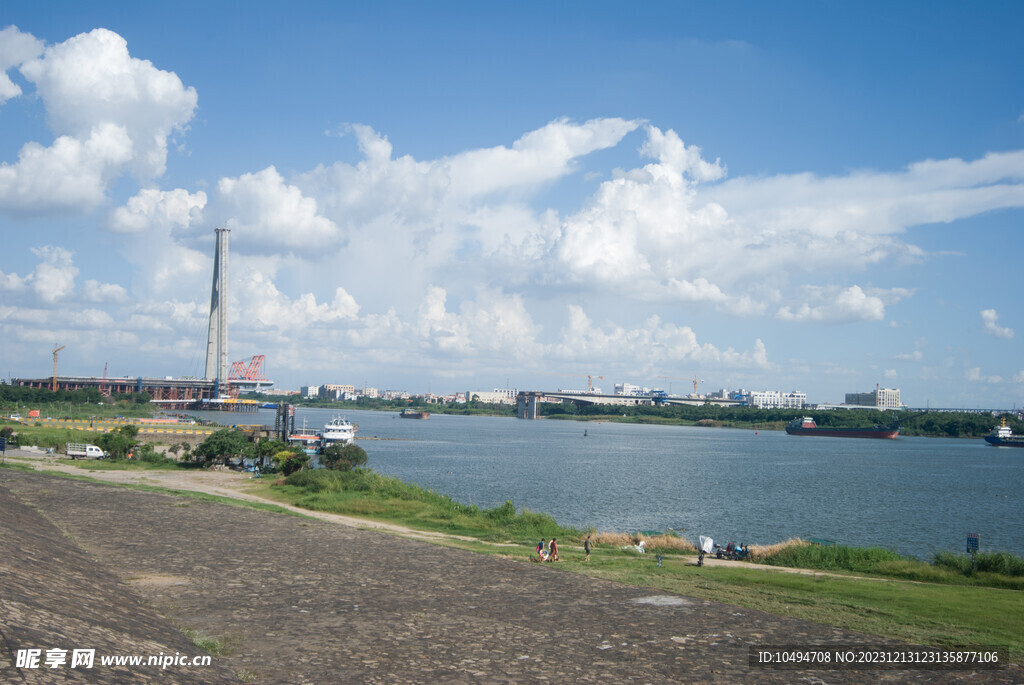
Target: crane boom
point(56, 349)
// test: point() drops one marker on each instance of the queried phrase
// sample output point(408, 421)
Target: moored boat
point(1002, 436)
point(339, 431)
point(308, 440)
point(807, 426)
point(410, 414)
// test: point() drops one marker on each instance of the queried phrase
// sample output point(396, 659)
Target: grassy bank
point(364, 492)
point(990, 569)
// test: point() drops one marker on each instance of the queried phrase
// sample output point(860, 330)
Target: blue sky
point(449, 196)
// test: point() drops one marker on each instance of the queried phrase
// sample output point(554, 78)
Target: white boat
point(305, 438)
point(339, 431)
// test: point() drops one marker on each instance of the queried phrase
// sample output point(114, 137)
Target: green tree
point(344, 458)
point(223, 445)
point(288, 462)
point(119, 442)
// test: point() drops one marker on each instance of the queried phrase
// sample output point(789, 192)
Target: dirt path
point(222, 483)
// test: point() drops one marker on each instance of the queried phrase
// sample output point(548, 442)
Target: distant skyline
point(452, 196)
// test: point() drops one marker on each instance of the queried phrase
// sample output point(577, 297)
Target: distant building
point(630, 390)
point(880, 398)
point(773, 399)
point(496, 396)
point(310, 391)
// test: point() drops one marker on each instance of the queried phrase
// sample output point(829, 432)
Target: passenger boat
point(808, 427)
point(410, 414)
point(1002, 436)
point(338, 431)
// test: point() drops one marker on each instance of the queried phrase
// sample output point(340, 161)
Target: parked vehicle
point(80, 449)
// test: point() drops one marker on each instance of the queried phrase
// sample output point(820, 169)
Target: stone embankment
point(297, 600)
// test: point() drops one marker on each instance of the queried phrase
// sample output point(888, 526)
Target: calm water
point(916, 495)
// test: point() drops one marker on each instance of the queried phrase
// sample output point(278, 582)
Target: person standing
point(553, 550)
point(587, 547)
point(540, 550)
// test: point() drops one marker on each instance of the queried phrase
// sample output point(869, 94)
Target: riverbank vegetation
point(366, 493)
point(989, 569)
point(927, 424)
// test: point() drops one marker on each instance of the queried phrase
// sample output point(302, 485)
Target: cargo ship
point(410, 414)
point(808, 427)
point(1002, 436)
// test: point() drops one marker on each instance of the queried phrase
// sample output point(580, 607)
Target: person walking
point(553, 550)
point(540, 550)
point(587, 547)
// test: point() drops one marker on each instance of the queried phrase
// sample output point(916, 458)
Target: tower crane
point(693, 380)
point(590, 378)
point(53, 385)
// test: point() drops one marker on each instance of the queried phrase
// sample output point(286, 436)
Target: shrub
point(1002, 563)
point(832, 558)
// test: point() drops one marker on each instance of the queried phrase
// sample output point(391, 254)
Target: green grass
point(995, 569)
point(365, 493)
point(213, 645)
point(124, 465)
point(832, 557)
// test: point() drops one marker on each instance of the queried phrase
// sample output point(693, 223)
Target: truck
point(80, 449)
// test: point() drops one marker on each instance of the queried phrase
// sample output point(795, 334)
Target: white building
point(880, 398)
point(773, 399)
point(496, 396)
point(630, 390)
point(310, 391)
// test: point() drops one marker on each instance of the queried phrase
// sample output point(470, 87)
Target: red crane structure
point(248, 369)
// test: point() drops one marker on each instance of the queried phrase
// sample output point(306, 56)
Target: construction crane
point(53, 385)
point(673, 378)
point(695, 382)
point(103, 385)
point(590, 378)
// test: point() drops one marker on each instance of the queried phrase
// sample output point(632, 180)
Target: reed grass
point(665, 543)
point(760, 553)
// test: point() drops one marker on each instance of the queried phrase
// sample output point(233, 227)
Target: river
point(914, 495)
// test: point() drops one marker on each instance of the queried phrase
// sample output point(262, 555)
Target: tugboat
point(808, 427)
point(1002, 436)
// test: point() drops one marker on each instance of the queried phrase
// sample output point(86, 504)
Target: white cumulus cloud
point(91, 79)
point(151, 207)
point(15, 48)
point(54, 277)
point(109, 112)
point(989, 317)
point(265, 211)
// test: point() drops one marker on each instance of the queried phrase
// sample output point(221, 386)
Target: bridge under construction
point(167, 393)
point(220, 388)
